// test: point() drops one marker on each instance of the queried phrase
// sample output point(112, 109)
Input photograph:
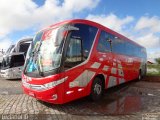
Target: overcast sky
point(138, 20)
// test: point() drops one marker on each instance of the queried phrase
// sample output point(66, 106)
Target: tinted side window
point(87, 34)
point(143, 52)
point(118, 45)
point(127, 49)
point(104, 43)
point(74, 53)
point(79, 43)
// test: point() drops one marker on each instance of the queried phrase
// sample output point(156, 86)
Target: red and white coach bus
point(77, 58)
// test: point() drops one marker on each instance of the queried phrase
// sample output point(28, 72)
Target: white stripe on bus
point(114, 70)
point(112, 81)
point(121, 80)
point(83, 79)
point(105, 68)
point(95, 65)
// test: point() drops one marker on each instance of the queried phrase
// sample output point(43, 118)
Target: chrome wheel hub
point(97, 89)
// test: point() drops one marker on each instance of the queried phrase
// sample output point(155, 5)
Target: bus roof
point(96, 25)
point(24, 40)
point(11, 54)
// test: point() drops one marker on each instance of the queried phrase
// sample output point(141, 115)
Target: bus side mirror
point(85, 53)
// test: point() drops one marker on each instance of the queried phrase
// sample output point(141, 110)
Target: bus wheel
point(140, 75)
point(96, 89)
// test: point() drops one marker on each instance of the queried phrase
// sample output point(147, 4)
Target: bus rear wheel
point(96, 89)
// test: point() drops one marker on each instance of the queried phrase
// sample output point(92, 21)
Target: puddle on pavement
point(123, 105)
point(112, 104)
point(119, 102)
point(107, 106)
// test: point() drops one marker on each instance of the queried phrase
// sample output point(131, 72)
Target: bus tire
point(96, 89)
point(140, 75)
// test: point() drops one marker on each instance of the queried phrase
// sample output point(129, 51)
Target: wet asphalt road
point(131, 100)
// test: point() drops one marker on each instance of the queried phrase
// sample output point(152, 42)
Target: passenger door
point(77, 48)
point(73, 72)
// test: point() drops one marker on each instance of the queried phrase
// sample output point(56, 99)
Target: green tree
point(157, 60)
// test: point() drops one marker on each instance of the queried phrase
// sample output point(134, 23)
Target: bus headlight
point(55, 83)
point(44, 86)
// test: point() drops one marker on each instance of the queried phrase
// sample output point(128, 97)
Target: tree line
point(157, 60)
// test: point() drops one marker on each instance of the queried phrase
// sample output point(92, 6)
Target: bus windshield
point(6, 62)
point(12, 60)
point(45, 51)
point(10, 49)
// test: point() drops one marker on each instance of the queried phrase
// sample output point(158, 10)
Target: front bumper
point(50, 96)
point(10, 74)
point(53, 95)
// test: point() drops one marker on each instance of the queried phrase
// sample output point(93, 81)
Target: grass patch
point(153, 70)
